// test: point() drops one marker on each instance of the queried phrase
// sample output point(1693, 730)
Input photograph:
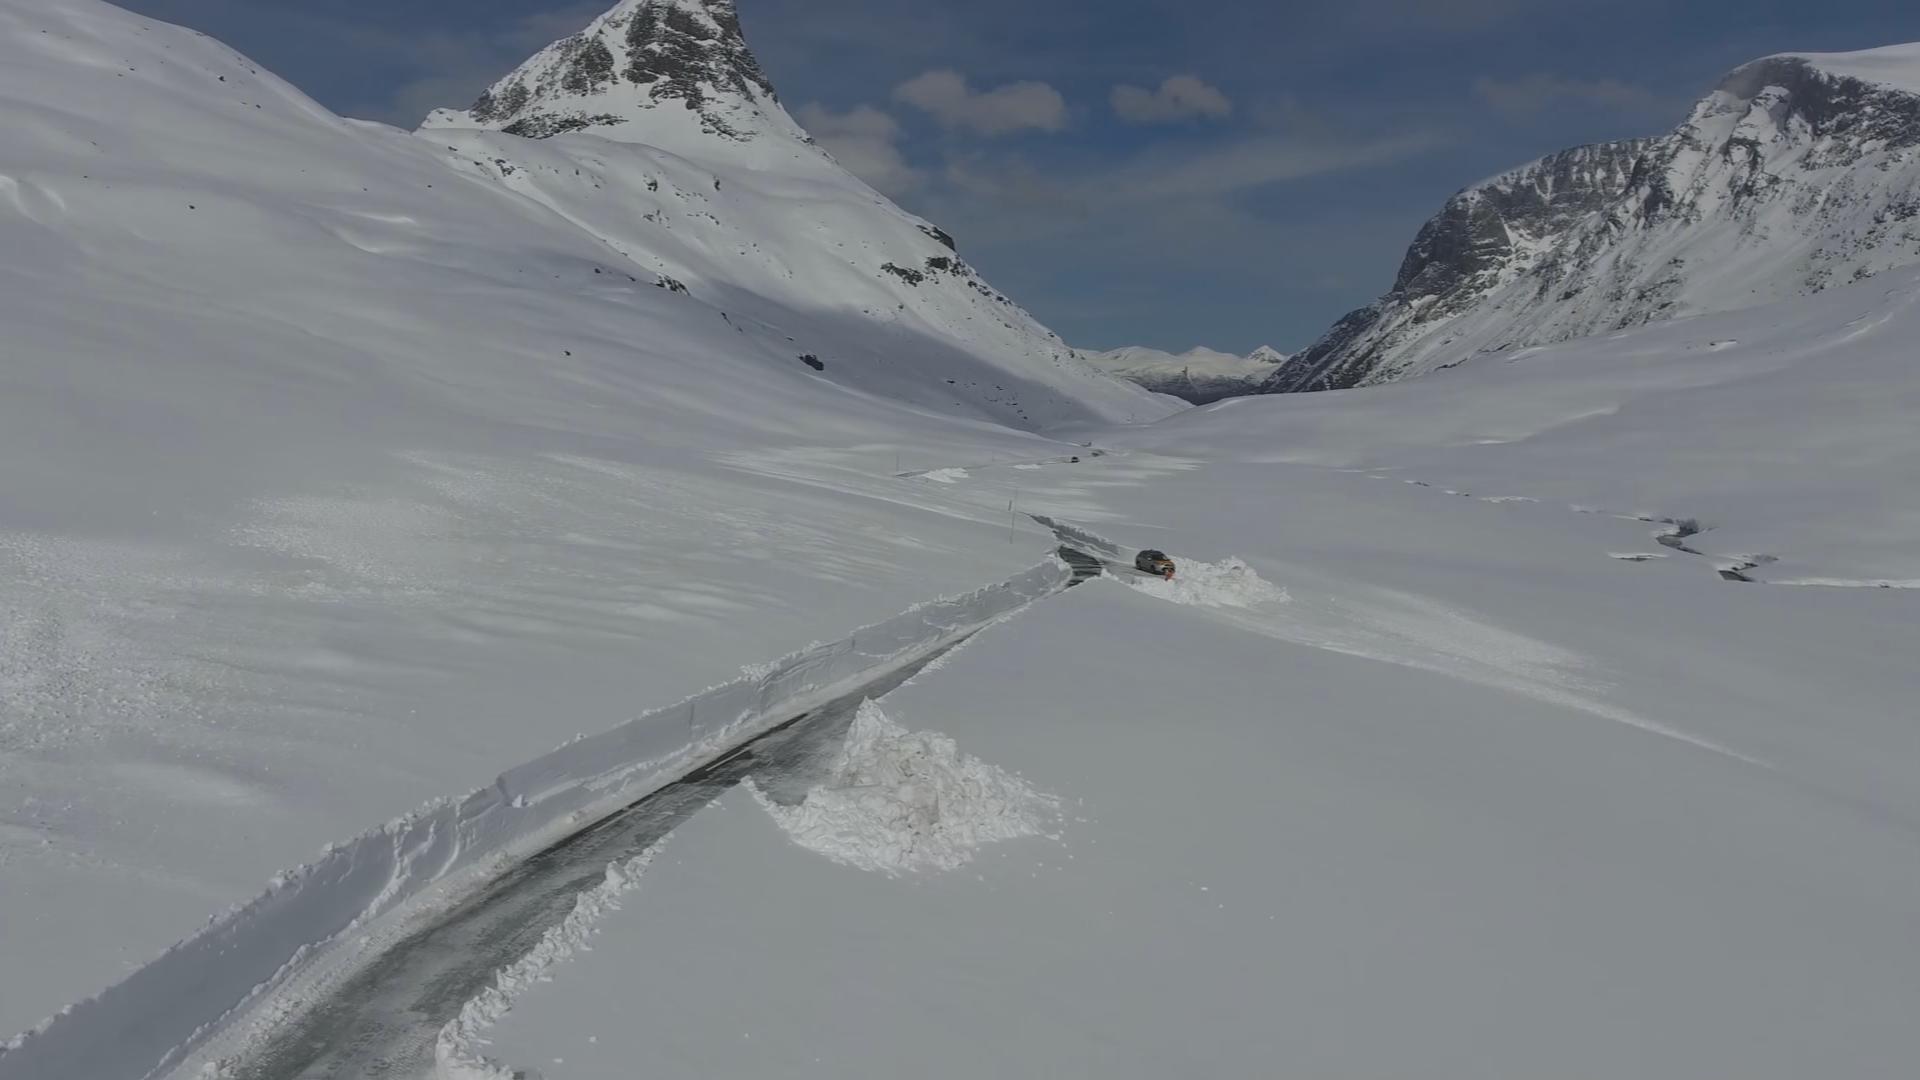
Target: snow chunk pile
point(898, 802)
point(1229, 583)
point(946, 476)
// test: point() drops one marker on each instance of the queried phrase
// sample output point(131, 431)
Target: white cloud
point(1021, 106)
point(1534, 93)
point(865, 141)
point(1253, 163)
point(1183, 97)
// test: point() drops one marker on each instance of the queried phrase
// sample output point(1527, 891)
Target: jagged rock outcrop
point(1797, 173)
point(642, 55)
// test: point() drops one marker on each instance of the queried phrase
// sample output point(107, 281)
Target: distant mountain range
point(1201, 376)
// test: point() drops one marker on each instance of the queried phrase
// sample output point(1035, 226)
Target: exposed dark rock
point(678, 55)
point(813, 362)
point(547, 125)
point(589, 68)
point(940, 235)
point(905, 273)
point(689, 51)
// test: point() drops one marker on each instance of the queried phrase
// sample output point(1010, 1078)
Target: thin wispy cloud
point(1021, 106)
point(1534, 94)
point(1255, 162)
point(865, 141)
point(1180, 98)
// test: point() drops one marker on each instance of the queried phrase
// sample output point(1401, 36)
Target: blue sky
point(1271, 186)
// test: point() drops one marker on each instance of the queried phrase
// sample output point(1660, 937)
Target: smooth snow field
point(434, 645)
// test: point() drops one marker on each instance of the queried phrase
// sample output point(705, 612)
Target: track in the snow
point(382, 1022)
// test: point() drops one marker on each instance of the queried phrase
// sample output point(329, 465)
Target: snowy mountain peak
point(1796, 173)
point(629, 69)
point(1894, 66)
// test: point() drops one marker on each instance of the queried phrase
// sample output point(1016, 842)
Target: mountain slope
point(1201, 376)
point(336, 473)
point(656, 130)
point(1796, 173)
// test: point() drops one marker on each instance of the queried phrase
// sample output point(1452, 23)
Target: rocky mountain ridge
point(1796, 173)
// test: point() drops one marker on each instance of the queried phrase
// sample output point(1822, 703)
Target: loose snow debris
point(947, 476)
point(899, 802)
point(1231, 583)
point(458, 1054)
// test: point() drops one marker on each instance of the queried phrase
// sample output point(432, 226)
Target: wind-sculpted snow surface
point(1786, 432)
point(897, 802)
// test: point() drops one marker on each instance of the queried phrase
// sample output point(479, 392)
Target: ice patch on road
point(899, 802)
point(1229, 583)
point(946, 476)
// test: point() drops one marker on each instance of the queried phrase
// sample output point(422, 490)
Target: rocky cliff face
point(1797, 173)
point(641, 56)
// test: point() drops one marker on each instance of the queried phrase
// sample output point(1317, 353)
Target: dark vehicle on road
point(1155, 563)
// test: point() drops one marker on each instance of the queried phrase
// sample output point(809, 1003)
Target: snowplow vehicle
point(1155, 563)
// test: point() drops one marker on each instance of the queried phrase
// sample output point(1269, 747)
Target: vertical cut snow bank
point(900, 801)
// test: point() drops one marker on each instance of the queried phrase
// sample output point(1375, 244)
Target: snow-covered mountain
point(656, 130)
point(1798, 172)
point(1201, 376)
point(346, 478)
point(340, 463)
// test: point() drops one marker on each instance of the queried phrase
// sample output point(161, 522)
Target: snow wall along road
point(145, 1025)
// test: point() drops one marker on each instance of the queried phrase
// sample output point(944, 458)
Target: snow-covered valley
point(1551, 713)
